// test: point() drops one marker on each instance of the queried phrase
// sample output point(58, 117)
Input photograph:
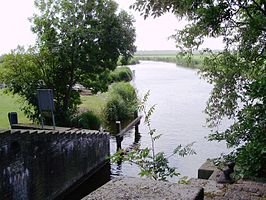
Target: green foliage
point(237, 72)
point(251, 158)
point(23, 77)
point(121, 103)
point(152, 165)
point(121, 74)
point(131, 61)
point(116, 109)
point(194, 61)
point(87, 120)
point(77, 43)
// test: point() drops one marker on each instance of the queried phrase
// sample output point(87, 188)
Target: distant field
point(8, 104)
point(171, 56)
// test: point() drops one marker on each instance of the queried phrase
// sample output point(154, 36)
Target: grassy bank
point(8, 104)
point(195, 61)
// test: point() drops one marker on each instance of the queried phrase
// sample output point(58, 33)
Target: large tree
point(79, 41)
point(238, 73)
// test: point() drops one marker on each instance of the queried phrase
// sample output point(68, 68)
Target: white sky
point(152, 34)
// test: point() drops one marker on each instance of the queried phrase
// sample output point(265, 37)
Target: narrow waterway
point(180, 97)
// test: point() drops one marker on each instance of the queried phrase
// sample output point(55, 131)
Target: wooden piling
point(118, 137)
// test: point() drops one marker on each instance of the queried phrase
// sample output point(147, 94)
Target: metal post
point(42, 121)
point(53, 120)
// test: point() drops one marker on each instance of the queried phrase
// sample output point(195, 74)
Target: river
point(180, 97)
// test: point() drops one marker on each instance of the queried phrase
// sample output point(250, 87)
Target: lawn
point(93, 103)
point(9, 103)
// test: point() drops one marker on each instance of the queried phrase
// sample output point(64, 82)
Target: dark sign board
point(45, 100)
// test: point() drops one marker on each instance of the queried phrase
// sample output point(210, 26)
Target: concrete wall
point(43, 164)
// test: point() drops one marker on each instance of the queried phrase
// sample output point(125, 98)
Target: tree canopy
point(238, 73)
point(78, 41)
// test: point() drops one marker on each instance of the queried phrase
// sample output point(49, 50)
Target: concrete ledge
point(144, 189)
point(208, 169)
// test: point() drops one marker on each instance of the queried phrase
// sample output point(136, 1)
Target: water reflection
point(181, 97)
point(99, 178)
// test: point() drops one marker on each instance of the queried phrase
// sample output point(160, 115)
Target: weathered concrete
point(208, 170)
point(126, 188)
point(41, 164)
point(241, 190)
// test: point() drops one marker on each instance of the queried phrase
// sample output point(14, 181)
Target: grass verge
point(10, 103)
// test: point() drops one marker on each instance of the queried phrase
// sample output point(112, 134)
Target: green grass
point(94, 103)
point(9, 103)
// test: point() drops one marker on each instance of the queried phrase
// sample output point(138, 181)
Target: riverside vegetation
point(237, 73)
point(184, 60)
point(76, 43)
point(152, 165)
point(118, 103)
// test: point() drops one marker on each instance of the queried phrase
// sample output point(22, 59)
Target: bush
point(251, 158)
point(116, 109)
point(121, 74)
point(121, 103)
point(130, 61)
point(133, 61)
point(87, 120)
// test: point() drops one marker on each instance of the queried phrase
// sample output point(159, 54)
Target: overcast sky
point(152, 34)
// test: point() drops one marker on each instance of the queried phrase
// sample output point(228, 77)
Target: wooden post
point(137, 135)
point(118, 138)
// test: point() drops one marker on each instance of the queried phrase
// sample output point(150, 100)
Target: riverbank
point(195, 61)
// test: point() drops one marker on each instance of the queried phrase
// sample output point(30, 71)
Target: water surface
point(180, 97)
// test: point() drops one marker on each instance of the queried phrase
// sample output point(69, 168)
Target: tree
point(238, 73)
point(79, 41)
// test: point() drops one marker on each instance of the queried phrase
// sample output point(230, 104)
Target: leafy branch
point(152, 165)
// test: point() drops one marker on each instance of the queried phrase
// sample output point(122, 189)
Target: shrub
point(121, 74)
point(87, 120)
point(133, 61)
point(251, 158)
point(116, 109)
point(121, 103)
